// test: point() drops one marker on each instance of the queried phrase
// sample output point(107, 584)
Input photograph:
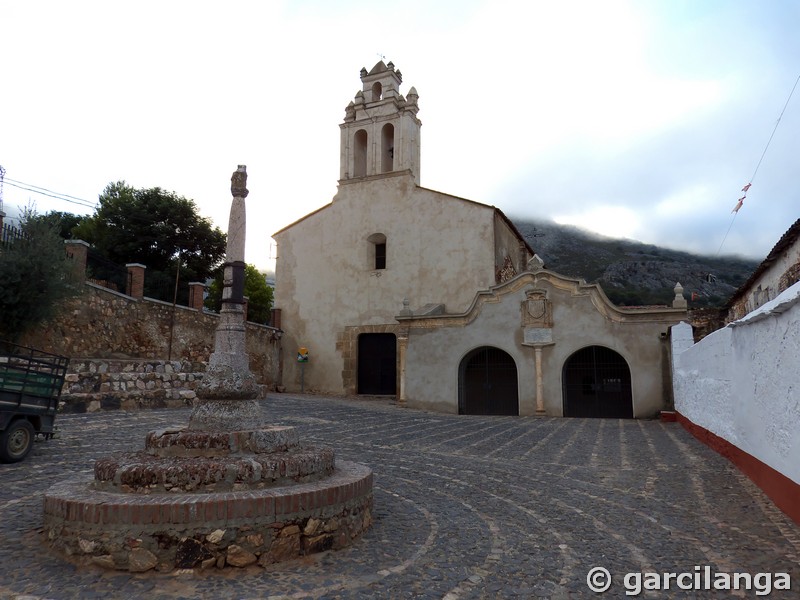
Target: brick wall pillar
point(196, 289)
point(244, 307)
point(77, 250)
point(275, 319)
point(135, 280)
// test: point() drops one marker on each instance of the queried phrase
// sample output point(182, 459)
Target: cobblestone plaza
point(465, 507)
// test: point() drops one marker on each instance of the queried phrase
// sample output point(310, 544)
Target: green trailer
point(30, 388)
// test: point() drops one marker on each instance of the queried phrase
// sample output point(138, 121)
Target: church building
point(396, 289)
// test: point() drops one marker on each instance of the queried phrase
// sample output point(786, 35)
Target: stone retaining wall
point(103, 324)
point(94, 384)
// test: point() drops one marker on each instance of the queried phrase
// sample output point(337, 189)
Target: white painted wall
point(439, 248)
point(742, 382)
point(582, 317)
point(767, 285)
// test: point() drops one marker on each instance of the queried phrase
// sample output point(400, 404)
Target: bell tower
point(381, 131)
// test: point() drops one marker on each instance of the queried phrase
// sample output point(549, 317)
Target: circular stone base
point(229, 411)
point(137, 532)
point(144, 473)
point(185, 442)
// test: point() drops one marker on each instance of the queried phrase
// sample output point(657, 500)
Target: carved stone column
point(537, 324)
point(402, 346)
point(228, 390)
point(539, 382)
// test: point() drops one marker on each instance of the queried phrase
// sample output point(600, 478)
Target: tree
point(259, 295)
point(36, 276)
point(158, 229)
point(63, 222)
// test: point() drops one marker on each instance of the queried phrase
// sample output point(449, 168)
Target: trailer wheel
point(16, 441)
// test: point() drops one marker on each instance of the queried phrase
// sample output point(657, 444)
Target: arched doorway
point(487, 383)
point(377, 364)
point(597, 383)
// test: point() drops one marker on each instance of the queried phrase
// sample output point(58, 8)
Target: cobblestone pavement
point(465, 507)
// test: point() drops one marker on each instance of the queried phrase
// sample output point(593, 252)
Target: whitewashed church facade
point(396, 289)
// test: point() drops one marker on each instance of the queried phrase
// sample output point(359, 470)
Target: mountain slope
point(632, 273)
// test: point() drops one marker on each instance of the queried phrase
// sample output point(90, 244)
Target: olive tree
point(36, 277)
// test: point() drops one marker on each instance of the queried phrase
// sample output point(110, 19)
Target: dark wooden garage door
point(597, 383)
point(377, 364)
point(487, 383)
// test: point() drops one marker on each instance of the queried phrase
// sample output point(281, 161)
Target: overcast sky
point(638, 119)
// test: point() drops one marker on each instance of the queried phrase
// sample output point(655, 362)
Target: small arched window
point(377, 91)
point(377, 251)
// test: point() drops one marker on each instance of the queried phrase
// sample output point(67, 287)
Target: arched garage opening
point(597, 383)
point(487, 383)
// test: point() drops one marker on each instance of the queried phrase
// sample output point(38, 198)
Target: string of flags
point(740, 202)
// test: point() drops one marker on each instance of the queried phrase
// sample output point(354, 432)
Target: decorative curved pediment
point(539, 302)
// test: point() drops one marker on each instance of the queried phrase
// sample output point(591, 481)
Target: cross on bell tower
point(381, 131)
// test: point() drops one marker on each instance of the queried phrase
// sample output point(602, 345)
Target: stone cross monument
point(228, 490)
point(228, 391)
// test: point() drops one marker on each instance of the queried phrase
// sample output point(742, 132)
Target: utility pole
point(2, 176)
point(2, 213)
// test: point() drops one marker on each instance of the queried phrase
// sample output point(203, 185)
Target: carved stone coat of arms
point(537, 310)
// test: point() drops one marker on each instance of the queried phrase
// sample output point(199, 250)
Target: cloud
point(651, 115)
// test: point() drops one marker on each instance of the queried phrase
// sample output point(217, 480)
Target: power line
point(81, 202)
point(778, 122)
point(747, 187)
point(45, 192)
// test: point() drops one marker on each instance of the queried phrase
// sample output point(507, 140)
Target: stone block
point(190, 552)
point(318, 543)
point(215, 537)
point(255, 541)
point(311, 526)
point(239, 557)
point(106, 561)
point(109, 402)
point(331, 525)
point(289, 531)
point(141, 560)
point(283, 548)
